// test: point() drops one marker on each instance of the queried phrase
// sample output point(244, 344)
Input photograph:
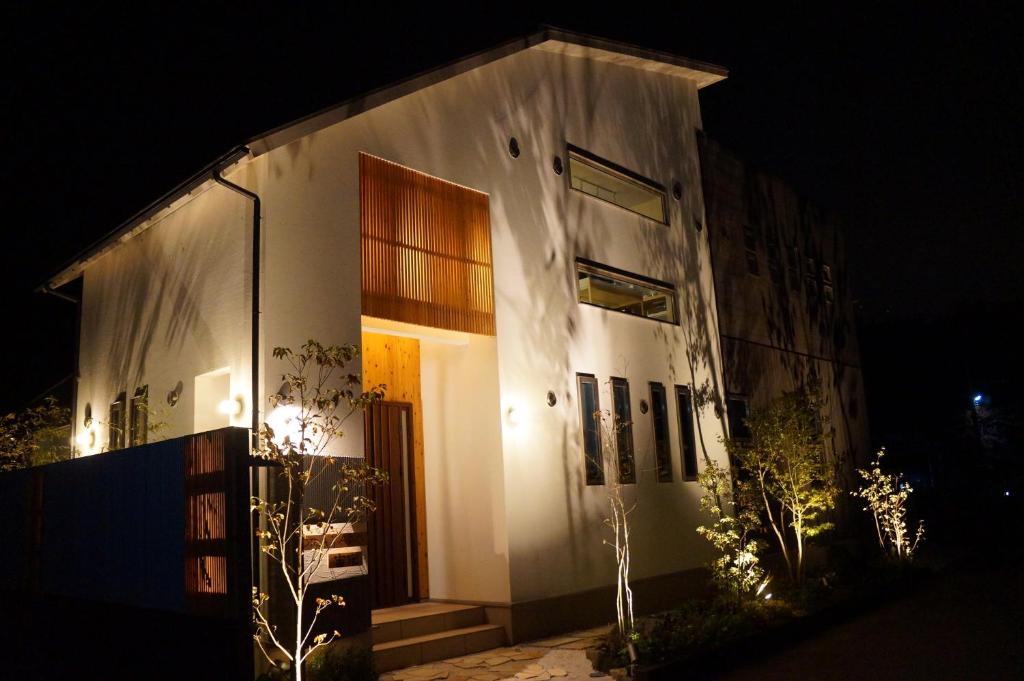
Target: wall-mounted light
point(644, 406)
point(230, 407)
point(514, 416)
point(88, 416)
point(552, 399)
point(86, 439)
point(174, 395)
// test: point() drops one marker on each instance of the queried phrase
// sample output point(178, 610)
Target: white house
point(515, 241)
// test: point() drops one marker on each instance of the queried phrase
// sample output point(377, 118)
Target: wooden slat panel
point(426, 249)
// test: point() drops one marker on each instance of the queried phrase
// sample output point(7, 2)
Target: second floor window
point(115, 424)
point(138, 417)
point(623, 292)
point(606, 181)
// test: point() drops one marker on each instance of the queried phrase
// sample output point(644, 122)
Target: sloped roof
point(546, 38)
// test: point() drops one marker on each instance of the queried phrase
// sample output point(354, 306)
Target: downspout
point(254, 471)
point(255, 360)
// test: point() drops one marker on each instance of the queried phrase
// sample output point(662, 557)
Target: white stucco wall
point(459, 130)
point(164, 307)
point(507, 506)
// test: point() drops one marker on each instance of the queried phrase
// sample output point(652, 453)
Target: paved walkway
point(561, 658)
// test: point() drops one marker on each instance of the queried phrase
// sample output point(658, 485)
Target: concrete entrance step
point(408, 652)
point(420, 619)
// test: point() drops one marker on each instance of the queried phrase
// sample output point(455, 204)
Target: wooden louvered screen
point(217, 576)
point(426, 249)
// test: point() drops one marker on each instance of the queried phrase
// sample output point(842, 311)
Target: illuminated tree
point(886, 496)
point(783, 471)
point(319, 396)
point(736, 571)
point(35, 436)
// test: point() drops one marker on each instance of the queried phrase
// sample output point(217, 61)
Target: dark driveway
point(964, 624)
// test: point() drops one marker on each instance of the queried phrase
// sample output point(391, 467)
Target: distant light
point(1006, 493)
point(767, 597)
point(978, 398)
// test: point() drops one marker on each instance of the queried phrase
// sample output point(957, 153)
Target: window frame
point(116, 430)
point(625, 461)
point(619, 172)
point(607, 271)
point(745, 400)
point(687, 433)
point(137, 421)
point(598, 459)
point(663, 448)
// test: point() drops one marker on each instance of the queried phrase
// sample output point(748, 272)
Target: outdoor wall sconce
point(557, 165)
point(644, 406)
point(230, 407)
point(552, 400)
point(513, 416)
point(88, 416)
point(513, 147)
point(174, 395)
point(87, 438)
point(677, 191)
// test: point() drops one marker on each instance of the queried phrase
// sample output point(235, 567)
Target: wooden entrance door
point(394, 573)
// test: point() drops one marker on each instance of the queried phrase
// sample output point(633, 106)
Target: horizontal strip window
point(623, 292)
point(606, 181)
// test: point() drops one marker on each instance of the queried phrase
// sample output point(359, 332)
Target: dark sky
point(905, 120)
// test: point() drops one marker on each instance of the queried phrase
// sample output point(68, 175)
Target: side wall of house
point(169, 305)
point(780, 331)
point(545, 524)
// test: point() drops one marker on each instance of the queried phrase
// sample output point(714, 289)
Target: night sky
point(905, 121)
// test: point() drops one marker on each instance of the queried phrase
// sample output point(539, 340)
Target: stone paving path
point(562, 659)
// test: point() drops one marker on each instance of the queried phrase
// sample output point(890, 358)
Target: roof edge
point(73, 268)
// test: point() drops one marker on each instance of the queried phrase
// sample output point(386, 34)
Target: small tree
point(783, 471)
point(617, 521)
point(318, 399)
point(35, 435)
point(886, 496)
point(736, 571)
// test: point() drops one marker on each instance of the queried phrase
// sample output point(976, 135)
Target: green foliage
point(318, 397)
point(736, 571)
point(697, 627)
point(352, 664)
point(35, 436)
point(783, 471)
point(886, 496)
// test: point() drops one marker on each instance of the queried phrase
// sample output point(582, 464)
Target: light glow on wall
point(230, 407)
point(285, 423)
point(86, 440)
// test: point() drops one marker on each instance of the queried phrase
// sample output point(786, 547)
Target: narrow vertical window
point(590, 424)
point(662, 448)
point(623, 423)
point(138, 419)
point(738, 409)
point(687, 440)
point(115, 424)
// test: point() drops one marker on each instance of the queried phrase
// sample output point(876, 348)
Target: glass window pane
point(622, 293)
point(738, 410)
point(591, 177)
point(623, 430)
point(591, 427)
point(688, 441)
point(662, 449)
